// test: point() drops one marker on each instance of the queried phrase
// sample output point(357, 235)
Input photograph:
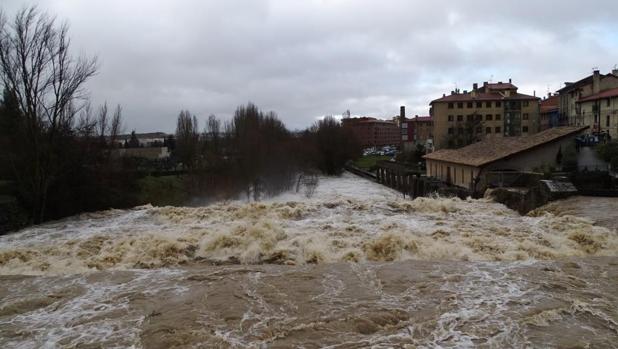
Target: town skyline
point(312, 59)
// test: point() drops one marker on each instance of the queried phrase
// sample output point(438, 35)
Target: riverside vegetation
point(57, 152)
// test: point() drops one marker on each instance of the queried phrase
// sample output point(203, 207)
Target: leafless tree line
point(48, 128)
point(256, 154)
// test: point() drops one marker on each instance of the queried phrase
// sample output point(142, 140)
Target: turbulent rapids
point(343, 223)
point(356, 265)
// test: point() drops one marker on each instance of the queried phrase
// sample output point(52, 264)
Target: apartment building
point(492, 110)
point(574, 92)
point(372, 132)
point(600, 112)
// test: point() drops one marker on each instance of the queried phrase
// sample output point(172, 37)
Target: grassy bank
point(369, 162)
point(162, 190)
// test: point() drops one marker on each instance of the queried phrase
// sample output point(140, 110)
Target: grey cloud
point(304, 59)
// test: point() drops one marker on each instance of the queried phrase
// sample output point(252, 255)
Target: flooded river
point(354, 266)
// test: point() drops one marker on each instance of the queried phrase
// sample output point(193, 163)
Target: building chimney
point(615, 70)
point(443, 95)
point(500, 82)
point(475, 86)
point(402, 113)
point(510, 80)
point(596, 81)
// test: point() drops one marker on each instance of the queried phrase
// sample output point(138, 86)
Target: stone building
point(490, 111)
point(467, 167)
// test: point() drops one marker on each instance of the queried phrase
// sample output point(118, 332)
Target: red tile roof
point(601, 95)
point(468, 97)
point(501, 86)
point(550, 104)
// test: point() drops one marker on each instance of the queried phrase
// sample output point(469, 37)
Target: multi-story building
point(600, 112)
point(573, 92)
point(492, 110)
point(550, 113)
point(372, 132)
point(415, 131)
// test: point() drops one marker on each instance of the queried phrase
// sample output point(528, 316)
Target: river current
point(354, 266)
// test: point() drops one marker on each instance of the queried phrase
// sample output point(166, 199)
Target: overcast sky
point(305, 59)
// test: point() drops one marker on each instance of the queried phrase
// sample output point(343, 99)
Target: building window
point(478, 117)
point(479, 129)
point(451, 144)
point(468, 117)
point(450, 130)
point(459, 105)
point(487, 104)
point(459, 117)
point(498, 117)
point(450, 105)
point(498, 129)
point(488, 130)
point(489, 117)
point(526, 103)
point(498, 104)
point(525, 116)
point(469, 104)
point(608, 103)
point(607, 121)
point(460, 131)
point(450, 118)
point(479, 104)
point(524, 129)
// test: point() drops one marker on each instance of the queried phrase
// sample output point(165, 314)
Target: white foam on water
point(348, 219)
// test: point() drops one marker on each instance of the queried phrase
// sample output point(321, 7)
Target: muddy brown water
point(356, 266)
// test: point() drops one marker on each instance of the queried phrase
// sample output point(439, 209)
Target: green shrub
point(608, 151)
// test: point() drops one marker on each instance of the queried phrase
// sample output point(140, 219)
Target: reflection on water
point(354, 266)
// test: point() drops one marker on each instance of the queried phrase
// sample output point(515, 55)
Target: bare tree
point(47, 83)
point(213, 132)
point(187, 139)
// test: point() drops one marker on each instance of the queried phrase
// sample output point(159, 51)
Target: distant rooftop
point(493, 149)
point(568, 86)
point(495, 96)
point(601, 95)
